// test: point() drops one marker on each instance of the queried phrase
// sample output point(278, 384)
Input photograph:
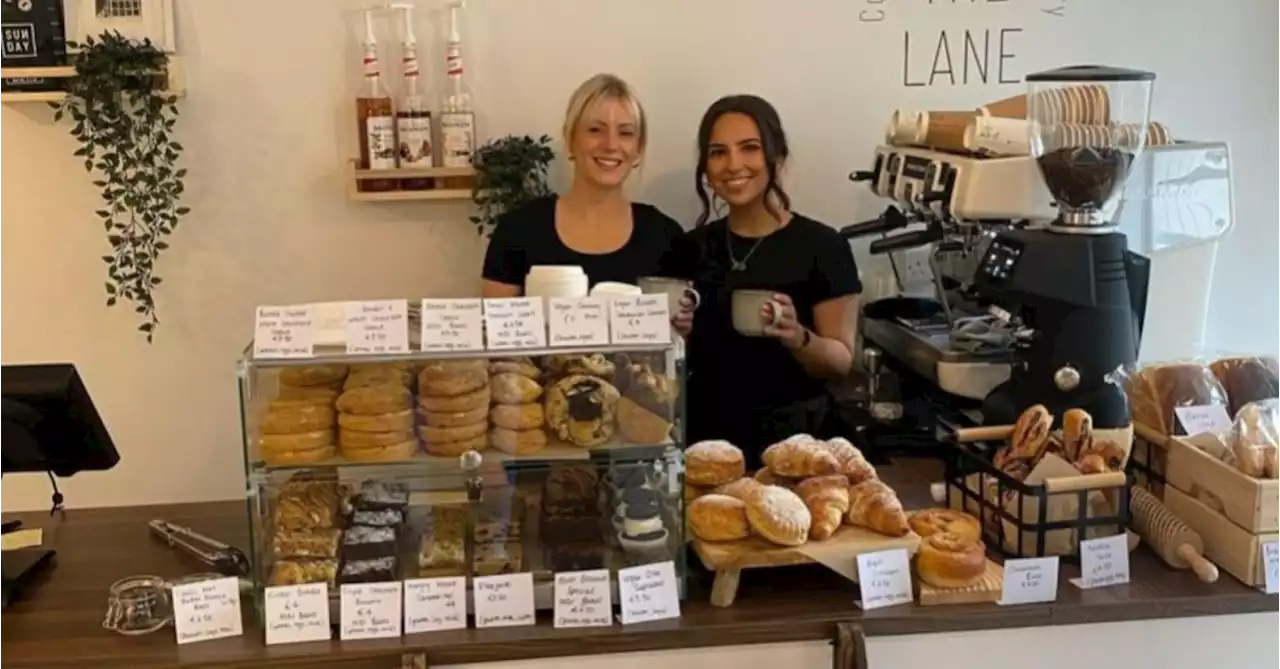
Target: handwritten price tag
point(370, 611)
point(648, 592)
point(435, 604)
point(515, 323)
point(282, 332)
point(452, 325)
point(583, 599)
point(1030, 580)
point(504, 601)
point(579, 321)
point(377, 328)
point(296, 613)
point(1200, 419)
point(1271, 567)
point(885, 579)
point(643, 319)
point(1103, 562)
point(207, 610)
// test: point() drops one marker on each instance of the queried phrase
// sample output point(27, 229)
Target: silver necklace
point(735, 264)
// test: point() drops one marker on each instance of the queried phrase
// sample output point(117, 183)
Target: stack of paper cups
point(944, 129)
point(903, 129)
point(997, 136)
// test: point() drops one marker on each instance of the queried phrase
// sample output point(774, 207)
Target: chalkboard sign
point(34, 35)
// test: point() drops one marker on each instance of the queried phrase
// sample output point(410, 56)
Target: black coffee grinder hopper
point(1073, 284)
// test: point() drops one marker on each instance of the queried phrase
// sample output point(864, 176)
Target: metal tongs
point(225, 559)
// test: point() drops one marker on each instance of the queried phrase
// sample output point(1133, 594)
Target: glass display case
point(363, 469)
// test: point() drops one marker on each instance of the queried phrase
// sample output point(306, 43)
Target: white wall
point(267, 125)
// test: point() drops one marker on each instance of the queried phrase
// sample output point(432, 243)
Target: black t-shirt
point(805, 260)
point(527, 236)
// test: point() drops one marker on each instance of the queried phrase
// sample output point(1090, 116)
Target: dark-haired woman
point(755, 390)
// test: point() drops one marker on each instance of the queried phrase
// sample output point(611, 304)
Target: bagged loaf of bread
point(1247, 379)
point(1155, 391)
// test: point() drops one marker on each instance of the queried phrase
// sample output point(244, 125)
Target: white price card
point(283, 332)
point(648, 592)
point(207, 610)
point(578, 321)
point(884, 578)
point(1211, 418)
point(435, 604)
point(1271, 567)
point(504, 601)
point(643, 319)
point(1103, 562)
point(452, 325)
point(370, 611)
point(514, 323)
point(296, 613)
point(379, 327)
point(1030, 580)
point(583, 599)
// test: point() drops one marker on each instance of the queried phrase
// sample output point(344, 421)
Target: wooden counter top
point(59, 623)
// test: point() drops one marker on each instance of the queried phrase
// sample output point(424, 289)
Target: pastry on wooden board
point(875, 506)
point(779, 515)
point(713, 463)
point(800, 456)
point(828, 500)
point(928, 522)
point(949, 560)
point(718, 518)
point(853, 463)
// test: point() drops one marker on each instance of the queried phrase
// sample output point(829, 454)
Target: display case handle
point(850, 647)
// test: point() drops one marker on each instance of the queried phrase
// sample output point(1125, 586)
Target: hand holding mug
point(779, 316)
point(682, 319)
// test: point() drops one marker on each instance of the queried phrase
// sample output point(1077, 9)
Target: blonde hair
point(592, 92)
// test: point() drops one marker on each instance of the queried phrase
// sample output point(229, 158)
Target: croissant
point(1077, 433)
point(800, 458)
point(852, 462)
point(828, 500)
point(875, 506)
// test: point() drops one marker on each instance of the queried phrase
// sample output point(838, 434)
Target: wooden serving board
point(986, 590)
point(728, 558)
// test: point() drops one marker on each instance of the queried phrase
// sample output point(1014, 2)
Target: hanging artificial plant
point(124, 124)
point(510, 171)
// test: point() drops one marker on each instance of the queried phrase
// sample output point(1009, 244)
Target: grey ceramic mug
point(746, 306)
point(675, 290)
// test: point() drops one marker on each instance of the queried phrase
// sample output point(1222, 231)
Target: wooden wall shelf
point(175, 81)
point(436, 175)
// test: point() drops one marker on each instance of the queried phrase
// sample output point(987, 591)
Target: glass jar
point(138, 605)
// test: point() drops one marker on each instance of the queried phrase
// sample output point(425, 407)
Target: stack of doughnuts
point(453, 396)
point(951, 554)
point(517, 416)
point(297, 427)
point(375, 422)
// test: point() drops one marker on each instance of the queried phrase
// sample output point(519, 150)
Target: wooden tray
point(982, 592)
point(728, 558)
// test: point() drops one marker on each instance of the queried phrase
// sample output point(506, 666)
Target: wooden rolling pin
point(1179, 545)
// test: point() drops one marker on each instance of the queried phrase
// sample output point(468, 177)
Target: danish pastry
point(375, 400)
point(514, 389)
point(928, 522)
point(581, 409)
point(713, 463)
point(453, 448)
point(357, 439)
point(454, 418)
point(295, 419)
point(313, 375)
point(521, 366)
point(518, 442)
point(295, 442)
point(948, 560)
point(828, 500)
point(476, 399)
point(401, 451)
point(433, 435)
point(400, 421)
point(718, 518)
point(800, 456)
point(517, 416)
point(452, 385)
point(779, 515)
point(875, 506)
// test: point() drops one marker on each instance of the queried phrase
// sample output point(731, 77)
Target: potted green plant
point(510, 171)
point(124, 121)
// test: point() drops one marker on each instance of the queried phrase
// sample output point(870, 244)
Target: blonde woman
point(593, 225)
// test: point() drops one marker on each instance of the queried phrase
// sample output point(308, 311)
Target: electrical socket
point(913, 267)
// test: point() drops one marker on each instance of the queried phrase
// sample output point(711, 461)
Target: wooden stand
point(984, 591)
point(729, 558)
point(437, 176)
point(172, 78)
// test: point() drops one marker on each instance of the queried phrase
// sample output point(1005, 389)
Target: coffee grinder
point(1072, 286)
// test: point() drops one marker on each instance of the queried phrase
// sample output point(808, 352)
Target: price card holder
point(648, 592)
point(207, 610)
point(1103, 562)
point(452, 325)
point(515, 323)
point(884, 578)
point(380, 327)
point(297, 613)
point(643, 319)
point(435, 604)
point(1211, 418)
point(1271, 567)
point(282, 333)
point(1030, 580)
point(504, 601)
point(583, 599)
point(370, 611)
point(578, 321)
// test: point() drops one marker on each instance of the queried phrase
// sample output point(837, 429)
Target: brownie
point(571, 529)
point(367, 543)
point(376, 570)
point(570, 490)
point(379, 518)
point(576, 557)
point(378, 495)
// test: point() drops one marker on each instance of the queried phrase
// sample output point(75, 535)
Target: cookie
point(521, 366)
point(476, 399)
point(302, 396)
point(432, 435)
point(451, 386)
point(312, 375)
point(455, 448)
point(295, 442)
point(381, 376)
point(581, 410)
point(517, 416)
point(400, 421)
point(400, 451)
point(375, 400)
point(455, 418)
point(518, 442)
point(360, 439)
point(595, 364)
point(299, 457)
point(779, 515)
point(295, 419)
point(436, 369)
point(514, 389)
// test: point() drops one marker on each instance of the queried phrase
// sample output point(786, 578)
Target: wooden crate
point(1253, 504)
point(1228, 545)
